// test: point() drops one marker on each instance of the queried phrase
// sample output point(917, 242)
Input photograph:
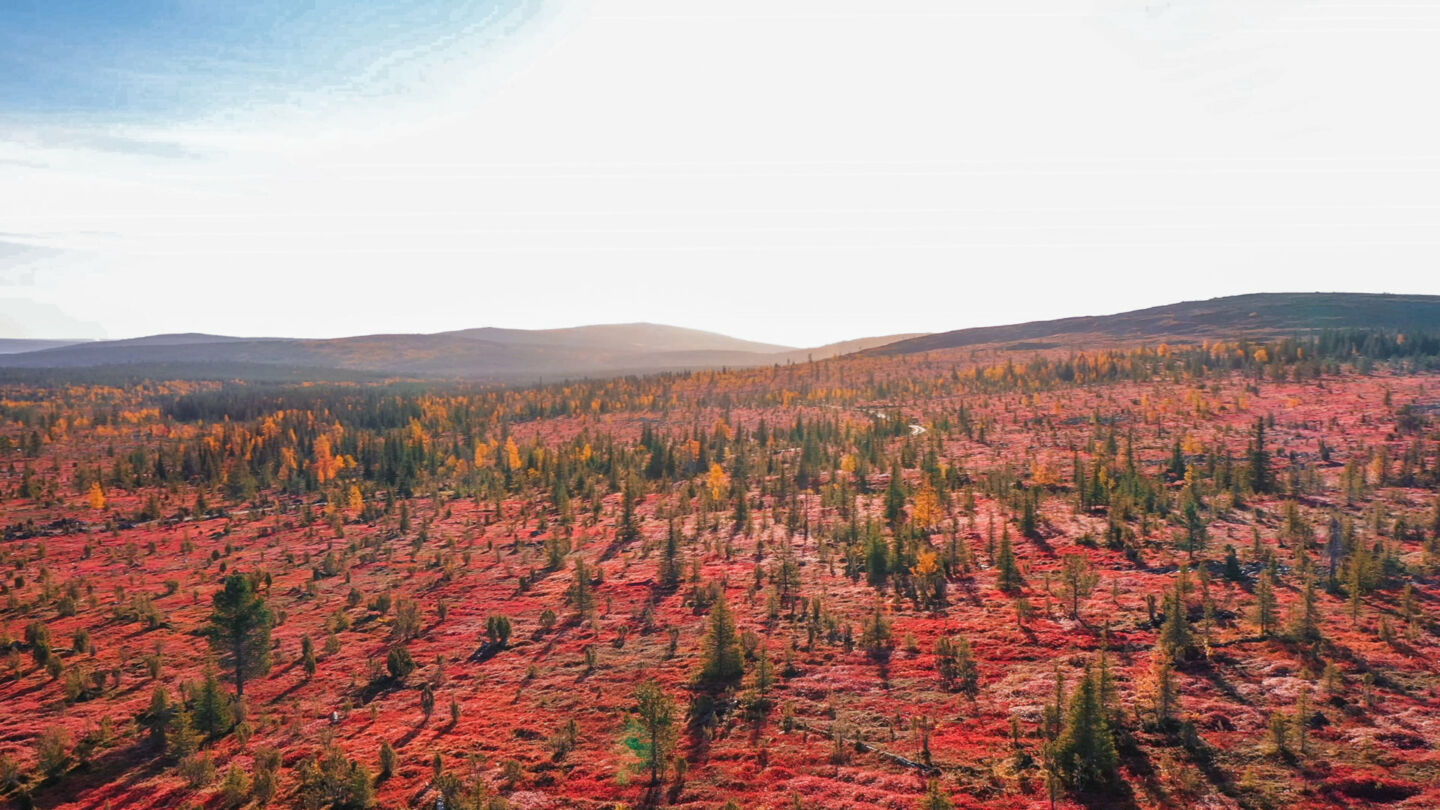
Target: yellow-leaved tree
point(717, 481)
point(927, 508)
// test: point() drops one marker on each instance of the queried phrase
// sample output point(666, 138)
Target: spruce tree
point(581, 594)
point(668, 575)
point(655, 713)
point(720, 663)
point(213, 714)
point(629, 529)
point(1306, 621)
point(1265, 604)
point(1261, 480)
point(1007, 572)
point(1166, 694)
point(240, 629)
point(1175, 640)
point(1085, 751)
point(895, 498)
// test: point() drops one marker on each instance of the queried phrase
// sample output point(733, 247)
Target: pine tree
point(1077, 580)
point(1177, 461)
point(655, 712)
point(720, 663)
point(1085, 751)
point(581, 594)
point(671, 565)
point(307, 656)
point(1265, 604)
point(1029, 514)
point(213, 714)
point(1305, 625)
point(1175, 640)
point(1166, 694)
point(895, 498)
point(1007, 572)
point(156, 718)
point(1261, 480)
point(628, 530)
point(240, 629)
point(955, 664)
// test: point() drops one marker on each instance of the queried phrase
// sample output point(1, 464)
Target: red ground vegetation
point(1346, 717)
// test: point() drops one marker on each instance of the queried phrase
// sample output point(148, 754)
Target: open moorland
point(1194, 574)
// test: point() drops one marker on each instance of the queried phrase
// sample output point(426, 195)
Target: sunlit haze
point(797, 172)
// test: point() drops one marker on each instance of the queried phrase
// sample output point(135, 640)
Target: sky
point(793, 172)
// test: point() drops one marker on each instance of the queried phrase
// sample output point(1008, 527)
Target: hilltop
point(1258, 315)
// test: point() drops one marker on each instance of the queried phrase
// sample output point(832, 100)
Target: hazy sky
point(794, 171)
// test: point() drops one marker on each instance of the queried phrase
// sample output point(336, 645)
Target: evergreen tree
point(240, 629)
point(1265, 604)
point(1007, 572)
point(670, 562)
point(213, 715)
point(655, 712)
point(581, 593)
point(1085, 751)
point(156, 718)
point(307, 656)
point(1175, 640)
point(955, 664)
point(1029, 514)
point(1077, 580)
point(877, 560)
point(1166, 693)
point(895, 498)
point(1177, 461)
point(720, 663)
point(629, 530)
point(1261, 480)
point(1305, 624)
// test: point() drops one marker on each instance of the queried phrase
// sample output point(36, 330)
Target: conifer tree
point(628, 530)
point(1085, 751)
point(670, 562)
point(1007, 572)
point(212, 714)
point(720, 663)
point(1305, 624)
point(1265, 604)
point(1175, 640)
point(240, 629)
point(1165, 694)
point(1261, 480)
point(655, 712)
point(895, 497)
point(1077, 580)
point(581, 594)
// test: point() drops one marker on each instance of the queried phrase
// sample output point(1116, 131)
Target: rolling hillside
point(1257, 315)
point(504, 355)
point(523, 355)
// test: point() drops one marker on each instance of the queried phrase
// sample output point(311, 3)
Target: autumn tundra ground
point(951, 583)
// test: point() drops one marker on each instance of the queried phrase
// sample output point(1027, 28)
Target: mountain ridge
point(1248, 315)
point(483, 353)
point(504, 355)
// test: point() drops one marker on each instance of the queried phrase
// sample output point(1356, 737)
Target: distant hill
point(636, 337)
point(1256, 315)
point(502, 355)
point(527, 355)
point(18, 345)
